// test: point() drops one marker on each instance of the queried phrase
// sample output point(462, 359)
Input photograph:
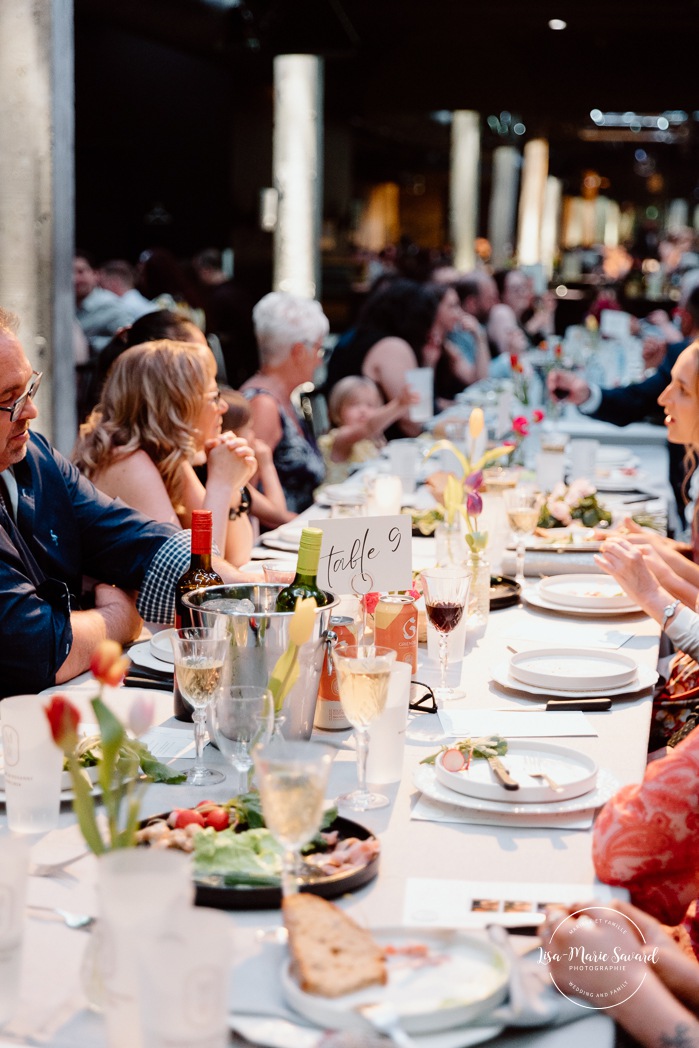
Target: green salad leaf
point(484, 747)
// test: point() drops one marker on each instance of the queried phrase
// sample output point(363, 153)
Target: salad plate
point(606, 785)
point(533, 596)
point(574, 772)
point(280, 1033)
point(287, 537)
point(573, 668)
point(585, 591)
point(645, 679)
point(161, 646)
point(438, 979)
point(141, 655)
point(571, 539)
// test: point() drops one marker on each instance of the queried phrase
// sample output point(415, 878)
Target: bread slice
point(331, 955)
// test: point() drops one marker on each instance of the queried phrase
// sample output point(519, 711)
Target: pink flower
point(108, 665)
point(63, 720)
point(474, 481)
point(538, 415)
point(141, 715)
point(474, 504)
point(521, 426)
point(578, 490)
point(370, 600)
point(561, 511)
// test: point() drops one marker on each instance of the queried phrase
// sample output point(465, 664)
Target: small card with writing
point(365, 554)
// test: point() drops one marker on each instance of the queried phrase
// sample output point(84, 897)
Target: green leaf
point(284, 676)
point(153, 768)
point(84, 808)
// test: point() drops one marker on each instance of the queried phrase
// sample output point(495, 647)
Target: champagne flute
point(200, 656)
point(363, 674)
point(242, 717)
point(292, 777)
point(446, 598)
point(522, 505)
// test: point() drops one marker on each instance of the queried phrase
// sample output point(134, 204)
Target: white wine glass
point(242, 717)
point(522, 505)
point(292, 776)
point(445, 590)
point(363, 673)
point(200, 659)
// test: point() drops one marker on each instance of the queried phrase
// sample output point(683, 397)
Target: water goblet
point(363, 674)
point(292, 776)
point(446, 598)
point(522, 505)
point(242, 717)
point(200, 658)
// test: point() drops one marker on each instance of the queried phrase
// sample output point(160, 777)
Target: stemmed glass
point(446, 598)
point(522, 505)
point(200, 657)
point(363, 673)
point(292, 777)
point(242, 717)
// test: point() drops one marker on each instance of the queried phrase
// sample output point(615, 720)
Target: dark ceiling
point(391, 63)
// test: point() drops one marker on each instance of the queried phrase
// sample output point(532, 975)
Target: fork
point(385, 1019)
point(532, 766)
point(70, 919)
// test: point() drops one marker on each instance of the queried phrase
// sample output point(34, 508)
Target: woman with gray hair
point(290, 332)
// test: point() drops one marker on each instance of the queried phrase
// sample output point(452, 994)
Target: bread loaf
point(331, 955)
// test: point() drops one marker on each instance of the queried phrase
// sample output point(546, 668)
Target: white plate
point(470, 980)
point(614, 480)
point(161, 646)
point(585, 591)
point(573, 668)
point(66, 793)
point(574, 771)
point(532, 595)
point(646, 678)
point(572, 539)
point(609, 455)
point(140, 655)
point(270, 1032)
point(425, 780)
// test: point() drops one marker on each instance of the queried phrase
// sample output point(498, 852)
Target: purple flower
point(474, 504)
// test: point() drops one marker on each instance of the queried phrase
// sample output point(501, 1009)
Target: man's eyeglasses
point(15, 410)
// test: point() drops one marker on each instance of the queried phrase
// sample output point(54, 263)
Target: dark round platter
point(211, 891)
point(504, 592)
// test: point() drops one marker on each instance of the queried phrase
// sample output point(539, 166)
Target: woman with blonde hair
point(160, 415)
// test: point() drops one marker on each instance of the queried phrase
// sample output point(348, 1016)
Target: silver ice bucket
point(258, 638)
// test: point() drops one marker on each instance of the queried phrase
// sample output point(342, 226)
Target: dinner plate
point(573, 668)
point(532, 595)
point(161, 646)
point(463, 977)
point(210, 890)
point(504, 592)
point(270, 1032)
point(617, 480)
point(425, 779)
point(585, 591)
point(646, 678)
point(613, 455)
point(141, 655)
point(571, 539)
point(574, 772)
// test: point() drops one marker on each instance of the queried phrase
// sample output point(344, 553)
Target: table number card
point(365, 554)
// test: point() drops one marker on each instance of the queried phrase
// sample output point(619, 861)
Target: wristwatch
point(668, 611)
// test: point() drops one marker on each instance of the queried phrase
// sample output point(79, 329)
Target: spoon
point(70, 919)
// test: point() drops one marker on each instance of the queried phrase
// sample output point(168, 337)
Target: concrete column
point(531, 201)
point(503, 205)
point(297, 172)
point(551, 224)
point(37, 197)
point(464, 184)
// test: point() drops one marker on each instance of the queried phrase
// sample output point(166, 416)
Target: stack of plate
point(580, 595)
point(582, 785)
point(573, 673)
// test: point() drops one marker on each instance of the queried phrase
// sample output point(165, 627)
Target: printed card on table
point(365, 554)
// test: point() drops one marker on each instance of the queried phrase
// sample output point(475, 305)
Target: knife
point(502, 774)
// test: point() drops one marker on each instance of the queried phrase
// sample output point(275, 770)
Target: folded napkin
point(549, 562)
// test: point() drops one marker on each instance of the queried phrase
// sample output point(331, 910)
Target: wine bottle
point(199, 574)
point(305, 582)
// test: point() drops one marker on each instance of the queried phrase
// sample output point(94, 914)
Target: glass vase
point(479, 593)
point(450, 543)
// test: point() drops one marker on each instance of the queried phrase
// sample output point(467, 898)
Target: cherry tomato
point(186, 817)
point(217, 818)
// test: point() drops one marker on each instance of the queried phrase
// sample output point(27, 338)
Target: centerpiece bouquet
point(574, 502)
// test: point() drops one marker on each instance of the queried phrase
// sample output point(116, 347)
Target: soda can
point(395, 626)
point(329, 713)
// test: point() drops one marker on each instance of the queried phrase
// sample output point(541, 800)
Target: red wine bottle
point(199, 574)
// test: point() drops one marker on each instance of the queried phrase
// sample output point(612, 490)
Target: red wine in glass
point(445, 616)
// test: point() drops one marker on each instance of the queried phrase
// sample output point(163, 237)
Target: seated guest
point(267, 502)
point(118, 276)
point(99, 312)
point(159, 414)
point(521, 319)
point(55, 527)
point(290, 332)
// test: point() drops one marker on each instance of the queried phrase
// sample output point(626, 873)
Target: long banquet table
point(52, 1009)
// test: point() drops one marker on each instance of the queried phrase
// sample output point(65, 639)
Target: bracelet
point(243, 506)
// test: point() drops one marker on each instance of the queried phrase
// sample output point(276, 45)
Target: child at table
point(267, 501)
point(359, 416)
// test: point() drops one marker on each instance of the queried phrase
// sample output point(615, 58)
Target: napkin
point(546, 562)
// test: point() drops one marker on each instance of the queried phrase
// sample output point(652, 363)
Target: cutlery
point(70, 919)
point(384, 1019)
point(533, 769)
point(502, 774)
point(54, 869)
point(583, 705)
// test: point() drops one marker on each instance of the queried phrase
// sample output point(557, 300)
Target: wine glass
point(522, 505)
point(446, 598)
point(363, 672)
point(200, 656)
point(242, 717)
point(292, 776)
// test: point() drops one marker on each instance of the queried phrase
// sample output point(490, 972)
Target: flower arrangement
point(521, 429)
point(577, 501)
point(118, 756)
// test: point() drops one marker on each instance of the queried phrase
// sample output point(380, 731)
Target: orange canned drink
point(395, 626)
point(329, 713)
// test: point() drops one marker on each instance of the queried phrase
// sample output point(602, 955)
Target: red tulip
point(538, 415)
point(474, 481)
point(521, 426)
point(63, 720)
point(108, 665)
point(370, 601)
